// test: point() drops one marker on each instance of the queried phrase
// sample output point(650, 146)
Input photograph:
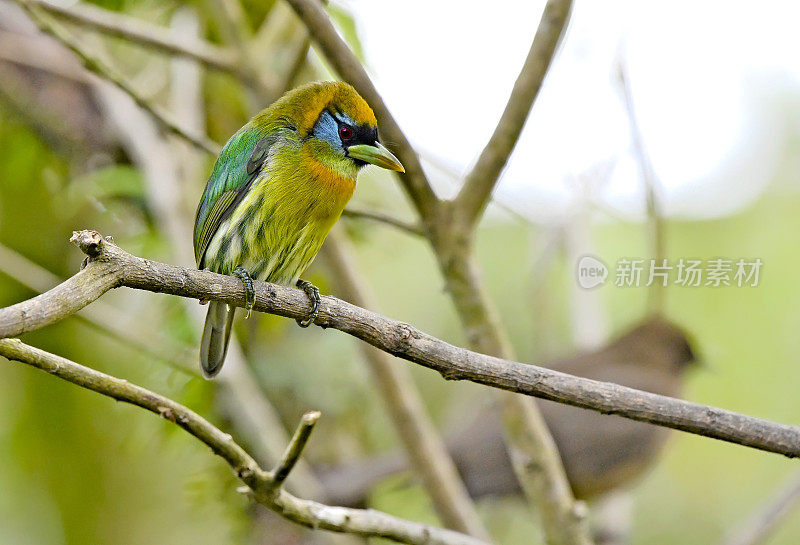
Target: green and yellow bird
point(278, 187)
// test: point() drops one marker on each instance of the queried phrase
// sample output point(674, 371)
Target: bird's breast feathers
point(278, 228)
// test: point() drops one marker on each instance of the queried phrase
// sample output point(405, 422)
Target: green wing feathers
point(237, 166)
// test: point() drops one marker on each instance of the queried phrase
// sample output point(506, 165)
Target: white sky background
point(705, 78)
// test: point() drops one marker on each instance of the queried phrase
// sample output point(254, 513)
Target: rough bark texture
point(109, 266)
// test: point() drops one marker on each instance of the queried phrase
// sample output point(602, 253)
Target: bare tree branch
point(424, 446)
point(250, 412)
point(141, 32)
point(96, 65)
point(536, 460)
point(480, 182)
point(380, 217)
point(109, 266)
point(295, 447)
point(266, 486)
point(342, 59)
point(541, 473)
point(104, 317)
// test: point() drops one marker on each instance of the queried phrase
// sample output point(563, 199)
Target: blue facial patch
point(327, 129)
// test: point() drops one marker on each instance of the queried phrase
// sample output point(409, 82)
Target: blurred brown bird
point(600, 452)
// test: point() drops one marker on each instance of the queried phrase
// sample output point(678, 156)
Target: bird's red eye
point(345, 132)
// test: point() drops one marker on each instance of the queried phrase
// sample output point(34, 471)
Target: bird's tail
point(216, 334)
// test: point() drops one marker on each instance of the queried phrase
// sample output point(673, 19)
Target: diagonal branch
point(96, 65)
point(141, 32)
point(109, 266)
point(480, 182)
point(266, 486)
point(295, 447)
point(426, 450)
point(535, 458)
point(652, 188)
point(380, 217)
point(759, 526)
point(250, 414)
point(344, 61)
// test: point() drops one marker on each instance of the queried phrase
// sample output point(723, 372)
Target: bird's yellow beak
point(376, 155)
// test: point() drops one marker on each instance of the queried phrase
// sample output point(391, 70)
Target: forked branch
point(266, 486)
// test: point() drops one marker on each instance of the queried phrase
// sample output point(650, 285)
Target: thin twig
point(266, 489)
point(480, 182)
point(380, 217)
point(295, 64)
point(760, 525)
point(94, 64)
point(652, 189)
point(147, 34)
point(295, 447)
point(109, 266)
point(232, 22)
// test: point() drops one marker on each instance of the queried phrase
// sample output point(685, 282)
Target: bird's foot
point(313, 294)
point(249, 290)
